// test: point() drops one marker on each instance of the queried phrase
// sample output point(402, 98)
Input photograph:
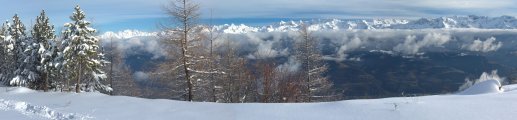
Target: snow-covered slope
point(22, 103)
point(483, 87)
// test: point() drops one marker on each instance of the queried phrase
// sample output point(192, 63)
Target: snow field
point(482, 101)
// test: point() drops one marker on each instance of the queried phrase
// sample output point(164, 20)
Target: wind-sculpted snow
point(38, 112)
point(483, 87)
point(486, 83)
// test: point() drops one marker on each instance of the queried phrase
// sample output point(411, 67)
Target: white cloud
point(488, 45)
point(346, 45)
point(350, 44)
point(259, 45)
point(339, 44)
point(412, 46)
point(292, 65)
point(342, 57)
point(140, 76)
point(132, 42)
point(265, 50)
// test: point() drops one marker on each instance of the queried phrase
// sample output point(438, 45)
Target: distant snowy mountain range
point(126, 34)
point(480, 22)
point(471, 21)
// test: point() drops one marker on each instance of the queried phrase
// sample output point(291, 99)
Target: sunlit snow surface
point(483, 87)
point(22, 103)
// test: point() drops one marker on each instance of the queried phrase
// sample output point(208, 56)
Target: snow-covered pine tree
point(312, 66)
point(17, 29)
point(43, 35)
point(22, 55)
point(8, 43)
point(2, 52)
point(4, 60)
point(81, 55)
point(30, 63)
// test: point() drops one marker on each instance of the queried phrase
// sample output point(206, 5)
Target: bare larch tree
point(313, 66)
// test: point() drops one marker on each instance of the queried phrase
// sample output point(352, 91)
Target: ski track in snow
point(35, 111)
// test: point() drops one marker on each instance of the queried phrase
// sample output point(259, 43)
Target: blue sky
point(113, 15)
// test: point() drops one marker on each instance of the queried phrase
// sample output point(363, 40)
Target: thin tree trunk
point(45, 86)
point(214, 97)
point(111, 66)
point(185, 48)
point(77, 87)
point(185, 67)
point(308, 70)
point(67, 83)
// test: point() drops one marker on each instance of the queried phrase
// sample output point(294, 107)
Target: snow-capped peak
point(235, 29)
point(125, 34)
